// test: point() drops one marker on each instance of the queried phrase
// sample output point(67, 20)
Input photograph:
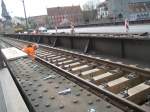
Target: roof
point(139, 7)
point(103, 4)
point(40, 16)
point(138, 1)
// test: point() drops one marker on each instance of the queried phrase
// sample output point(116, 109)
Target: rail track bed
point(126, 87)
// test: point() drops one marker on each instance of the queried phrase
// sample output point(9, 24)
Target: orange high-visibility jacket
point(30, 51)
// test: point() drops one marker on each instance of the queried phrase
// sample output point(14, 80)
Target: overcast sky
point(38, 7)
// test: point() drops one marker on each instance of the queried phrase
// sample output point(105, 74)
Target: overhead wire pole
point(25, 15)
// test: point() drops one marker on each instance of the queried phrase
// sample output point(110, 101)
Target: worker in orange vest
point(30, 49)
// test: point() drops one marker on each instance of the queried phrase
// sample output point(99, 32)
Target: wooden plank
point(117, 81)
point(119, 84)
point(93, 72)
point(138, 94)
point(108, 76)
point(44, 53)
point(56, 57)
point(65, 62)
point(80, 68)
point(61, 59)
point(96, 78)
point(52, 55)
point(73, 64)
point(90, 71)
point(137, 89)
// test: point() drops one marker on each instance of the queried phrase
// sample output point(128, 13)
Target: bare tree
point(89, 11)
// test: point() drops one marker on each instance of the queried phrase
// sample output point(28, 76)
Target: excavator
point(18, 28)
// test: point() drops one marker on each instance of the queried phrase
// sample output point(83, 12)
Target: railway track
point(123, 86)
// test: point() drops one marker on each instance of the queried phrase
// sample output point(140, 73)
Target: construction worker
point(72, 28)
point(30, 49)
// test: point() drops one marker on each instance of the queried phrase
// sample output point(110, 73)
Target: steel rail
point(125, 104)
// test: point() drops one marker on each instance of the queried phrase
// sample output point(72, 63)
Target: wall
point(121, 47)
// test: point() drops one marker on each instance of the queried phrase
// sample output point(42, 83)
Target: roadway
point(107, 29)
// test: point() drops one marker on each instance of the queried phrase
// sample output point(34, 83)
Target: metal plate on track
point(13, 53)
point(48, 91)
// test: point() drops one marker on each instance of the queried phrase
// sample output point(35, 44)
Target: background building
point(63, 16)
point(38, 21)
point(118, 8)
point(18, 20)
point(139, 10)
point(113, 10)
point(122, 9)
point(102, 10)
